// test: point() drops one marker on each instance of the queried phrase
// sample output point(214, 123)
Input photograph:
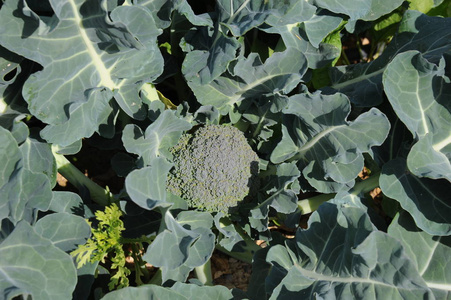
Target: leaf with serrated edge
point(82, 50)
point(427, 200)
point(325, 145)
point(431, 254)
point(32, 265)
point(339, 257)
point(419, 93)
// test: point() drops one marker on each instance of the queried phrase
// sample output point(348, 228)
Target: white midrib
point(442, 144)
point(316, 276)
point(439, 286)
point(423, 118)
point(236, 98)
point(358, 79)
point(105, 79)
point(351, 280)
point(304, 148)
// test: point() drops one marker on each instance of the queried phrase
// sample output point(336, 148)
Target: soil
point(230, 272)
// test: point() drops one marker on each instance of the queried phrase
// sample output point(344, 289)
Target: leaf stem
point(97, 194)
point(203, 273)
point(246, 251)
point(311, 204)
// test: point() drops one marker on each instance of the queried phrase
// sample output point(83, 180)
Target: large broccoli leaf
point(419, 93)
point(64, 230)
point(328, 148)
point(363, 82)
point(179, 291)
point(249, 78)
point(427, 200)
point(88, 57)
point(368, 10)
point(431, 254)
point(31, 265)
point(157, 138)
point(282, 190)
point(183, 243)
point(340, 256)
point(24, 188)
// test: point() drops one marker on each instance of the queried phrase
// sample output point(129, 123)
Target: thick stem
point(248, 249)
point(203, 273)
point(311, 204)
point(157, 279)
point(98, 194)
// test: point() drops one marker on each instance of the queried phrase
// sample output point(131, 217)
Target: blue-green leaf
point(368, 10)
point(149, 291)
point(212, 53)
point(250, 78)
point(282, 195)
point(340, 256)
point(182, 245)
point(363, 82)
point(30, 265)
point(431, 254)
point(66, 231)
point(427, 200)
point(157, 138)
point(23, 191)
point(147, 186)
point(419, 93)
point(328, 148)
point(241, 16)
point(82, 49)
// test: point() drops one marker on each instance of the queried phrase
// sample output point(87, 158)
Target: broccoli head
point(214, 168)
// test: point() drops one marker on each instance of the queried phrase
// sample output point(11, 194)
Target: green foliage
point(214, 168)
point(106, 242)
point(321, 89)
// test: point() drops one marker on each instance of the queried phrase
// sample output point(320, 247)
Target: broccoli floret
point(214, 168)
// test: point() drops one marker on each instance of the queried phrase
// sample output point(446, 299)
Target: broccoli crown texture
point(214, 168)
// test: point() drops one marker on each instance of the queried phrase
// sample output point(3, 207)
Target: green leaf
point(250, 78)
point(192, 291)
point(425, 199)
point(147, 186)
point(212, 53)
point(290, 12)
point(328, 149)
point(430, 254)
point(37, 156)
point(177, 249)
point(362, 83)
point(241, 16)
point(340, 256)
point(150, 291)
point(294, 36)
point(82, 50)
point(31, 265)
point(157, 138)
point(23, 191)
point(67, 202)
point(419, 93)
point(368, 10)
point(66, 231)
point(319, 27)
point(282, 197)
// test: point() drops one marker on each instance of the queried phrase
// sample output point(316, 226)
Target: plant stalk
point(97, 194)
point(203, 273)
point(311, 204)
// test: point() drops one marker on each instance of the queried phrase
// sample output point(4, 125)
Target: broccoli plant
point(217, 124)
point(214, 168)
